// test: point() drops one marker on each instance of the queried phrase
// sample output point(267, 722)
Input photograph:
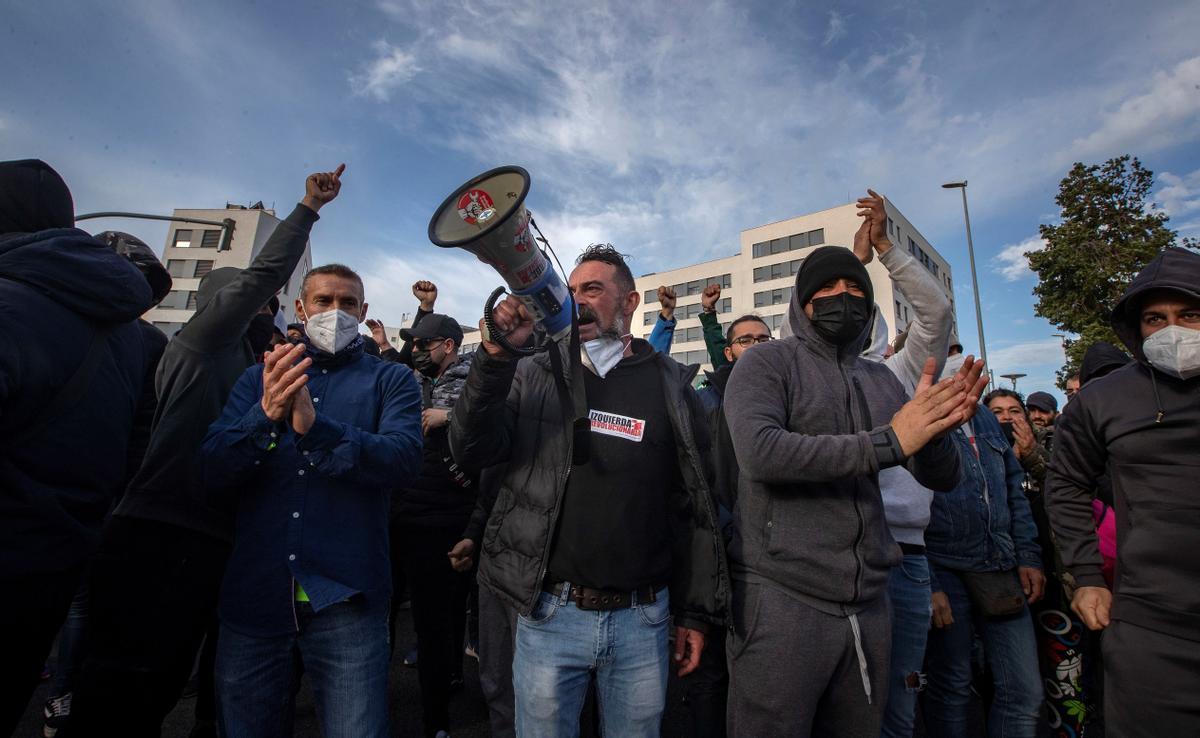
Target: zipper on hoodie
point(857, 510)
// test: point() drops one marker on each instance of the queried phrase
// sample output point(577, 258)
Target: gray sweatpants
point(497, 633)
point(795, 671)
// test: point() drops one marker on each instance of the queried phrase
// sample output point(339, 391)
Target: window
point(650, 317)
point(772, 297)
point(191, 300)
point(791, 243)
point(177, 299)
point(898, 313)
point(204, 266)
point(694, 287)
point(210, 239)
point(777, 271)
point(177, 267)
point(891, 226)
point(690, 357)
point(775, 322)
point(183, 238)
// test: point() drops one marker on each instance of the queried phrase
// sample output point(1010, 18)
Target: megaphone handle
point(494, 334)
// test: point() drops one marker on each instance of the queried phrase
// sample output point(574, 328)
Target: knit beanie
point(830, 263)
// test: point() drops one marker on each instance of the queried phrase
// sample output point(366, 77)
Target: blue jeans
point(908, 588)
point(344, 651)
point(558, 648)
point(1010, 652)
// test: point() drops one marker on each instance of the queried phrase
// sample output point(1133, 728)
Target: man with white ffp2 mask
point(595, 556)
point(1141, 423)
point(310, 447)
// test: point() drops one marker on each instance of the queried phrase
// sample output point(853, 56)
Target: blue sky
point(664, 128)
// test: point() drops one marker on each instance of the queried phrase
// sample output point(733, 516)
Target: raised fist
point(709, 297)
point(321, 187)
point(426, 292)
point(666, 301)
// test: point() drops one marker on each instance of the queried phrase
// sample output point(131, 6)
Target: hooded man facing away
point(1141, 423)
point(72, 363)
point(156, 576)
point(812, 424)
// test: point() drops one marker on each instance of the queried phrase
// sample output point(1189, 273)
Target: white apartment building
point(191, 252)
point(759, 278)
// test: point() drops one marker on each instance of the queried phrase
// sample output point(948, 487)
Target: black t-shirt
point(613, 530)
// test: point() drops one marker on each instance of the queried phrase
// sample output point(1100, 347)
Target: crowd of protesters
point(827, 534)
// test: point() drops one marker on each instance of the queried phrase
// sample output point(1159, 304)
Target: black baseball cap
point(1042, 401)
point(434, 325)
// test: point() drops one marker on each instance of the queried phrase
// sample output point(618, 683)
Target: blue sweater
point(313, 508)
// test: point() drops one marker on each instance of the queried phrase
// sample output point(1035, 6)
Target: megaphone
point(487, 216)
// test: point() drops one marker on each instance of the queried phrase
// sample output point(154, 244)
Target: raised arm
point(225, 317)
point(714, 336)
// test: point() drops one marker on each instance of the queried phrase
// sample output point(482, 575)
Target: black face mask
point(259, 333)
point(840, 318)
point(1007, 429)
point(424, 363)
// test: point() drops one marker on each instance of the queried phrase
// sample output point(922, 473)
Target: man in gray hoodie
point(812, 424)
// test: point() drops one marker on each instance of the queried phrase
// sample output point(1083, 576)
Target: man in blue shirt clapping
point(309, 447)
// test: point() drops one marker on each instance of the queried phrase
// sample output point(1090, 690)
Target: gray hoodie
point(905, 502)
point(809, 424)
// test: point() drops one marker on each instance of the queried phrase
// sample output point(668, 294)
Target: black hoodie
point(1144, 425)
point(198, 369)
point(58, 286)
point(1100, 359)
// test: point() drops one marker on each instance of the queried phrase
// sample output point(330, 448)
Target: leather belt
point(586, 598)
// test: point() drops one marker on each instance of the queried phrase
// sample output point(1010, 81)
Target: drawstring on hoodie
point(862, 657)
point(1157, 400)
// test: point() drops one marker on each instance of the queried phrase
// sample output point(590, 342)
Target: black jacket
point(443, 494)
point(509, 411)
point(1144, 425)
point(197, 372)
point(57, 287)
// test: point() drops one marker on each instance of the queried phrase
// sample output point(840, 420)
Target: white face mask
point(331, 331)
point(602, 354)
point(1174, 350)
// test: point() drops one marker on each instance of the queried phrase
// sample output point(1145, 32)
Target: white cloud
point(463, 283)
point(836, 28)
point(1164, 112)
point(1012, 264)
point(1178, 196)
point(1022, 357)
point(391, 68)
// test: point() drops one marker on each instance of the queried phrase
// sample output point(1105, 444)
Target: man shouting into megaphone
point(597, 556)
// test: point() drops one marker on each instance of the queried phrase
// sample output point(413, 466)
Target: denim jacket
point(978, 527)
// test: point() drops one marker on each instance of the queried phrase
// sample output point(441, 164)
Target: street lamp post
point(227, 225)
point(1013, 378)
point(974, 280)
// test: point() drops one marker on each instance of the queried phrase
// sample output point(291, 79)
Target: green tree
point(1106, 234)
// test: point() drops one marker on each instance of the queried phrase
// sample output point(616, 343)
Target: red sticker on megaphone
point(472, 204)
